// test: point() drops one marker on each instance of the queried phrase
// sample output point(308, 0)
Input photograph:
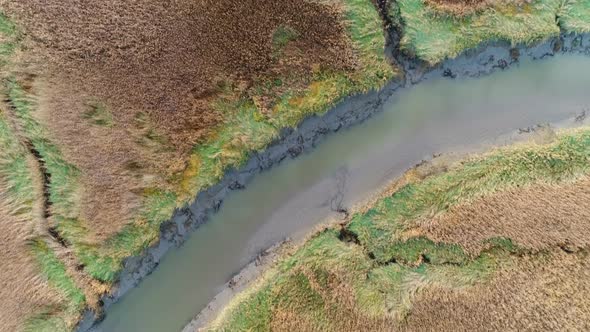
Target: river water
point(435, 116)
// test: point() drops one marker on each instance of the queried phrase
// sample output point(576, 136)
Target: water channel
point(435, 116)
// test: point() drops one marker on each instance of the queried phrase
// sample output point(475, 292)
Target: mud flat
point(433, 117)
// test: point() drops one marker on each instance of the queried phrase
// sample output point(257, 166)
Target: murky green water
point(433, 117)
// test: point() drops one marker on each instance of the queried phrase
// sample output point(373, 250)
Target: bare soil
point(155, 66)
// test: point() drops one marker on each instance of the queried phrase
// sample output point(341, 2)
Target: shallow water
point(433, 117)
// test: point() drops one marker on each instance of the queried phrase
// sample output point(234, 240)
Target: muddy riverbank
point(538, 134)
point(293, 143)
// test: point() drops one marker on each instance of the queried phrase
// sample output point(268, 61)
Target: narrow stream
point(435, 116)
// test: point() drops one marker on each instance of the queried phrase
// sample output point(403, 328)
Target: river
point(436, 116)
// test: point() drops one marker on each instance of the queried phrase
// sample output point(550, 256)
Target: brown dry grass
point(539, 294)
point(467, 7)
point(156, 66)
point(22, 290)
point(340, 309)
point(536, 218)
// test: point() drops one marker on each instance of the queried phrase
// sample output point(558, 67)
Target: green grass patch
point(9, 38)
point(46, 321)
point(434, 36)
point(564, 160)
point(253, 315)
point(392, 287)
point(365, 28)
point(574, 15)
point(419, 249)
point(56, 319)
point(292, 286)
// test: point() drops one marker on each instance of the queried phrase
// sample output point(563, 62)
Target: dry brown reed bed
point(23, 290)
point(156, 67)
point(538, 294)
point(536, 218)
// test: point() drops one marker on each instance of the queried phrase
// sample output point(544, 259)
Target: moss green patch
point(379, 278)
point(254, 315)
point(420, 249)
point(392, 287)
point(55, 271)
point(9, 38)
point(433, 36)
point(17, 182)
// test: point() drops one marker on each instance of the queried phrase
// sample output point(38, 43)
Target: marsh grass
point(19, 190)
point(434, 36)
point(62, 318)
point(244, 129)
point(380, 228)
point(574, 15)
point(331, 284)
point(8, 39)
